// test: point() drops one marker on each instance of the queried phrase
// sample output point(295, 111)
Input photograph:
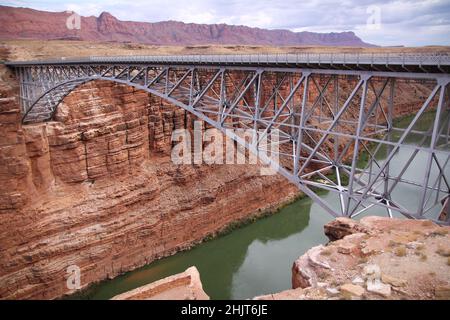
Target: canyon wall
point(96, 188)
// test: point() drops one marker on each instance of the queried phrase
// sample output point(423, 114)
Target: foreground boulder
point(181, 286)
point(378, 258)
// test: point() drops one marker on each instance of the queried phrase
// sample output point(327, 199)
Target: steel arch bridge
point(335, 114)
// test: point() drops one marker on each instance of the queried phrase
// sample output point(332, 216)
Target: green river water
point(257, 258)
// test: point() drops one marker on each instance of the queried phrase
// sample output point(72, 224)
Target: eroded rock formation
point(376, 258)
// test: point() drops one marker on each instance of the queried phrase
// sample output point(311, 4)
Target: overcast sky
point(401, 22)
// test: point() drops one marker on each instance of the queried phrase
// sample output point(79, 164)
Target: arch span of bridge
point(330, 110)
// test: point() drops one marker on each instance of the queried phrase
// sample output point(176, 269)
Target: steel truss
point(337, 128)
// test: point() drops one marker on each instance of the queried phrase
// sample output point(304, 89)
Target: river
point(256, 259)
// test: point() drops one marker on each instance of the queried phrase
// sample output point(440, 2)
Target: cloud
point(408, 22)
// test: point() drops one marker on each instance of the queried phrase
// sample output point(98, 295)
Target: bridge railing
point(279, 58)
point(333, 58)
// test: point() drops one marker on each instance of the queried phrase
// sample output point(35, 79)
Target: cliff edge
point(375, 258)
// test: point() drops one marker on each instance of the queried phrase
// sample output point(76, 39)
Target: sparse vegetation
point(335, 283)
point(363, 260)
point(392, 243)
point(422, 255)
point(420, 247)
point(427, 223)
point(440, 232)
point(445, 252)
point(400, 251)
point(346, 295)
point(327, 251)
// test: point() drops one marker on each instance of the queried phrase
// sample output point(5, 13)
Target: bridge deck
point(403, 62)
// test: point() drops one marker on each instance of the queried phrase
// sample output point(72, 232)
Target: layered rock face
point(97, 189)
point(15, 180)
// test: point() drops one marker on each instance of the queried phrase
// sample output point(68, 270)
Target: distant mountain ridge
point(24, 23)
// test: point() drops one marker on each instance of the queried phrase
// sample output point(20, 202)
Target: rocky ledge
point(375, 258)
point(181, 286)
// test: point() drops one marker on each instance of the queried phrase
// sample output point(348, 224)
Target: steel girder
point(337, 128)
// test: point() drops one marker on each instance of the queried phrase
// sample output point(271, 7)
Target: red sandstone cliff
point(23, 23)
